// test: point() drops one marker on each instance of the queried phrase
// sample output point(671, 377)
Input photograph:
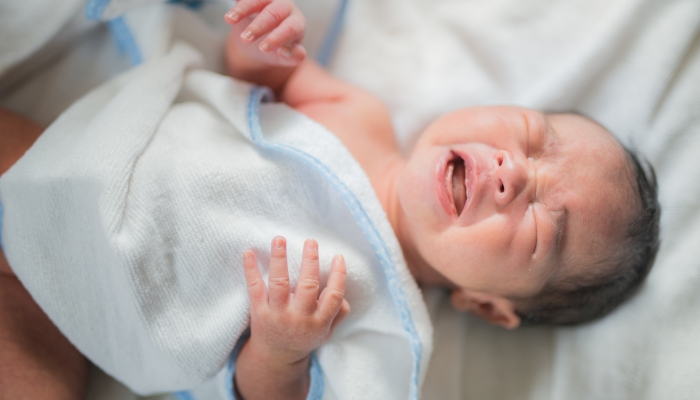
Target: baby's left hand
point(279, 24)
point(286, 326)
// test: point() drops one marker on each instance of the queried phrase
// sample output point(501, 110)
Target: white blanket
point(128, 218)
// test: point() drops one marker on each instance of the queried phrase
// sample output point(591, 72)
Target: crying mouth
point(459, 190)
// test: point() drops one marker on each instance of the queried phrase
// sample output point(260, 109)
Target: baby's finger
point(278, 281)
point(254, 280)
point(269, 18)
point(344, 311)
point(306, 292)
point(333, 295)
point(291, 55)
point(245, 8)
point(290, 31)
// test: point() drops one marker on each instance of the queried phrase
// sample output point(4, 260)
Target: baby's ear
point(494, 309)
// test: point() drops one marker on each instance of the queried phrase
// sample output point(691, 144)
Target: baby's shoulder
point(358, 118)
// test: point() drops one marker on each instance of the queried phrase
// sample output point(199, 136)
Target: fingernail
point(247, 35)
point(233, 16)
point(279, 243)
point(286, 51)
point(265, 47)
point(338, 258)
point(311, 244)
point(248, 255)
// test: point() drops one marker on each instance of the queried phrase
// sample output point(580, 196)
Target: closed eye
point(534, 219)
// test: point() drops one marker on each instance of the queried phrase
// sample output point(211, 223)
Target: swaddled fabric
point(128, 218)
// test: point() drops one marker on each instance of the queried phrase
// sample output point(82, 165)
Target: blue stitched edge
point(231, 365)
point(119, 29)
point(124, 39)
point(259, 94)
point(329, 43)
point(184, 395)
point(95, 8)
point(191, 4)
point(317, 385)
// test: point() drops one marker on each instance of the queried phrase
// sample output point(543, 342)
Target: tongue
point(459, 191)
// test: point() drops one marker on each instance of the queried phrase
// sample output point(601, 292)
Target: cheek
point(474, 256)
point(416, 189)
point(409, 190)
point(493, 255)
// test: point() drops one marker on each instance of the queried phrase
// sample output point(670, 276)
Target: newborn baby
point(527, 217)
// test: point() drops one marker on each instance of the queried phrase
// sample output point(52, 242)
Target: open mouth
point(456, 184)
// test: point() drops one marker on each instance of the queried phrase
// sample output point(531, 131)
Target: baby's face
point(499, 199)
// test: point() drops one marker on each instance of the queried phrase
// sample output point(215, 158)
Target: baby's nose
point(510, 177)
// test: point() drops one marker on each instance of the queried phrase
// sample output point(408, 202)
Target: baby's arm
point(286, 326)
point(264, 45)
point(356, 117)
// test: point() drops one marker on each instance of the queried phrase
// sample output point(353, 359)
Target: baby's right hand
point(285, 326)
point(280, 20)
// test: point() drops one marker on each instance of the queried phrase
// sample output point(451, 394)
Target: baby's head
point(528, 217)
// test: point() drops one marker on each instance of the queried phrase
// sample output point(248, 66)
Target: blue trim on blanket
point(191, 4)
point(317, 385)
point(124, 39)
point(258, 94)
point(118, 28)
point(329, 43)
point(231, 366)
point(95, 8)
point(184, 395)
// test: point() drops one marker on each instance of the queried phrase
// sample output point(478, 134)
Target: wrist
point(275, 356)
point(261, 374)
point(246, 62)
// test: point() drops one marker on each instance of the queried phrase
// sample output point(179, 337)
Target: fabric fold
point(128, 218)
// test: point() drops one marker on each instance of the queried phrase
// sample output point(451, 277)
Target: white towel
point(128, 218)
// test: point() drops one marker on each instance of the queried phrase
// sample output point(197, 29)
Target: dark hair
point(585, 297)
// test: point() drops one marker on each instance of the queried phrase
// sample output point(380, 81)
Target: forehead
point(491, 125)
point(593, 186)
